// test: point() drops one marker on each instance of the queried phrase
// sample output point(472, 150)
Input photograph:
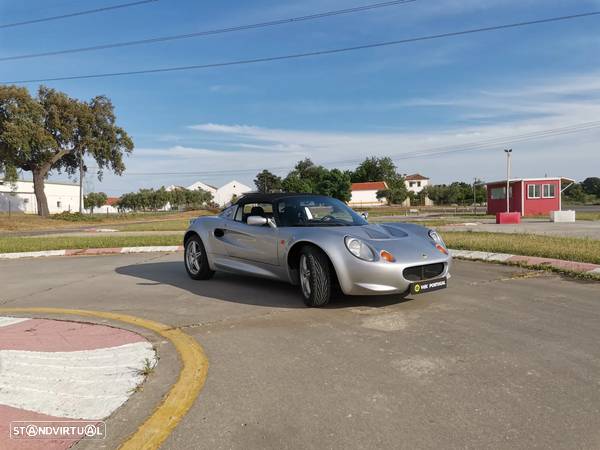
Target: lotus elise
point(317, 243)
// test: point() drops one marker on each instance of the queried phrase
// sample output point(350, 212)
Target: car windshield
point(312, 211)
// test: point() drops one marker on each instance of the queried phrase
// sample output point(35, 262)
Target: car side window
point(238, 214)
point(228, 213)
point(254, 209)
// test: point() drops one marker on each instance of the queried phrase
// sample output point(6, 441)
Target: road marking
point(180, 398)
point(6, 321)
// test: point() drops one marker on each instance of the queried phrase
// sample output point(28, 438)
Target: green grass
point(32, 244)
point(164, 225)
point(432, 223)
point(571, 249)
point(28, 222)
point(588, 215)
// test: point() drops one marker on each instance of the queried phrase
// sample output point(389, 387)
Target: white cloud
point(541, 105)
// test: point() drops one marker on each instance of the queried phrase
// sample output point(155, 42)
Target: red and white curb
point(593, 269)
point(55, 371)
point(92, 251)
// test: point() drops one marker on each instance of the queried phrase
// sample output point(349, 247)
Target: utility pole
point(474, 197)
point(81, 182)
point(508, 152)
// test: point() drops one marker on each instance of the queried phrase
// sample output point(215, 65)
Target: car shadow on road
point(241, 289)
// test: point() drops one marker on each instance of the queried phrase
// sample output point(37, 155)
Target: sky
point(459, 100)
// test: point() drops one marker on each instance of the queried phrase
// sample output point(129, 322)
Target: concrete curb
point(572, 266)
point(92, 251)
point(593, 269)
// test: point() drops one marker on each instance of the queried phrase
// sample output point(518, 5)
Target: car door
point(251, 242)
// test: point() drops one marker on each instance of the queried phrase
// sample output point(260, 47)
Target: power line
point(209, 32)
point(314, 53)
point(485, 144)
point(75, 14)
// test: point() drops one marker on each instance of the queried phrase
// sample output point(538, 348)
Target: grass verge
point(570, 249)
point(28, 222)
point(34, 244)
point(163, 225)
point(587, 215)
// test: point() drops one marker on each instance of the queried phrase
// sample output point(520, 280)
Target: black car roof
point(258, 197)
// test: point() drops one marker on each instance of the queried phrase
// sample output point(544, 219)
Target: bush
point(73, 217)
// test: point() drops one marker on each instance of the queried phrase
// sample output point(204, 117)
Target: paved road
point(579, 229)
point(504, 358)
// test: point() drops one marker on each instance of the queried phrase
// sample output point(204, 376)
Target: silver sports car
point(319, 243)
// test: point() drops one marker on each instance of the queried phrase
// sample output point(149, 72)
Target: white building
point(21, 198)
point(110, 207)
point(416, 182)
point(204, 187)
point(223, 194)
point(365, 194)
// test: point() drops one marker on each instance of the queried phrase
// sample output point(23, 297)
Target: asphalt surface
point(579, 229)
point(504, 358)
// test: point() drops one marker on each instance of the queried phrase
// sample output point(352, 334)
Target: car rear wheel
point(196, 260)
point(315, 277)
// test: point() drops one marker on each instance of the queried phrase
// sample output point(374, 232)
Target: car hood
point(377, 232)
point(407, 242)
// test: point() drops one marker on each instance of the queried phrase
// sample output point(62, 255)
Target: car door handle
point(219, 232)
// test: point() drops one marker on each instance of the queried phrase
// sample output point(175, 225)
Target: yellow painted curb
point(180, 398)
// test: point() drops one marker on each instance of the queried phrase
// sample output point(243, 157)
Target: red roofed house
point(110, 207)
point(365, 194)
point(415, 184)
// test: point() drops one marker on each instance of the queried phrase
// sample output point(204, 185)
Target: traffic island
point(61, 379)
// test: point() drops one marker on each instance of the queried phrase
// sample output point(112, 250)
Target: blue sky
point(334, 109)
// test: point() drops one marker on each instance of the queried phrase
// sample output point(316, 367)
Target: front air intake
point(425, 272)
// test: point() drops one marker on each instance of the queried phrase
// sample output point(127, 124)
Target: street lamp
point(474, 196)
point(508, 152)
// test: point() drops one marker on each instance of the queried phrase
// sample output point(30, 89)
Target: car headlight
point(359, 249)
point(439, 242)
point(436, 237)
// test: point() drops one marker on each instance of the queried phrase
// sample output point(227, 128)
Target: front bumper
point(357, 277)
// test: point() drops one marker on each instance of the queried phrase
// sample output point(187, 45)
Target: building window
point(418, 184)
point(548, 190)
point(534, 191)
point(58, 204)
point(412, 184)
point(25, 200)
point(499, 193)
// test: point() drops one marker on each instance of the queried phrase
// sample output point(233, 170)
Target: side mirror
point(257, 221)
point(365, 215)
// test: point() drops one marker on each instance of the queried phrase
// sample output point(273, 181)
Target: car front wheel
point(196, 260)
point(315, 277)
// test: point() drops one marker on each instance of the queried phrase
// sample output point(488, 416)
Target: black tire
point(315, 277)
point(201, 270)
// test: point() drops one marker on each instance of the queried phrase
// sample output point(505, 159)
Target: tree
point(374, 169)
point(335, 183)
point(575, 193)
point(266, 181)
point(94, 200)
point(591, 186)
point(54, 132)
point(303, 178)
point(438, 193)
point(382, 169)
point(307, 177)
